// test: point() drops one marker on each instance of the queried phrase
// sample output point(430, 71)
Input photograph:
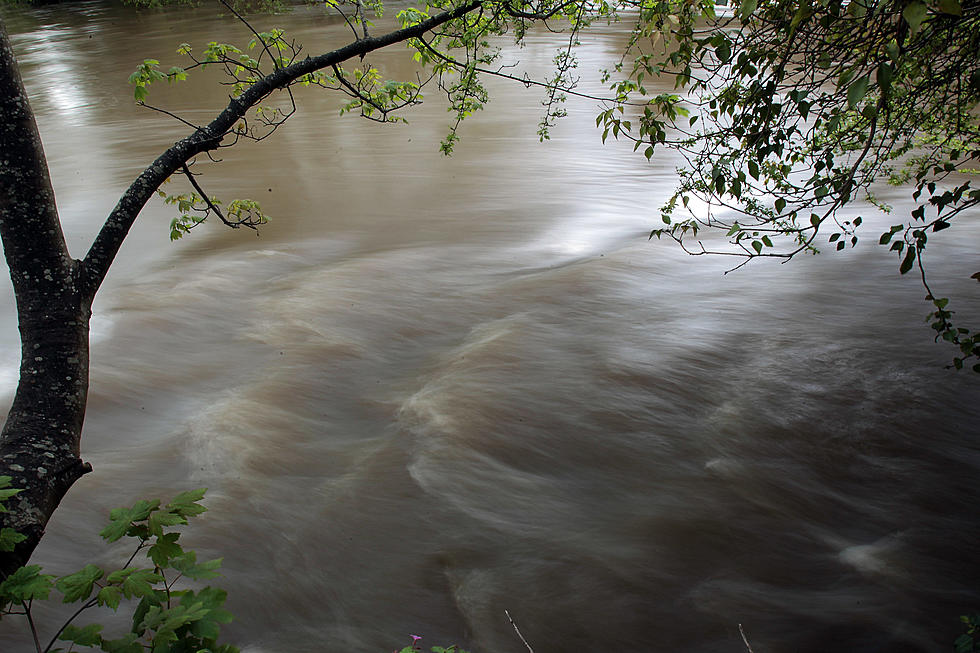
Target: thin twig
point(30, 622)
point(518, 631)
point(88, 604)
point(167, 113)
point(204, 196)
point(745, 639)
point(527, 81)
point(258, 38)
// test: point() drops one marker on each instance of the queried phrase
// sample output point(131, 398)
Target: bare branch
point(745, 639)
point(258, 38)
point(518, 631)
point(168, 113)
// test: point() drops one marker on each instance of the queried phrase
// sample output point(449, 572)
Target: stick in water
point(745, 639)
point(518, 631)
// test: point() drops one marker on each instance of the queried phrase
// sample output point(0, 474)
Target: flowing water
point(434, 389)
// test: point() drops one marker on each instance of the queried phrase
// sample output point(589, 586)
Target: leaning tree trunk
point(39, 444)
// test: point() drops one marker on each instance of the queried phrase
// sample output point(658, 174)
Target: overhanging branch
point(110, 238)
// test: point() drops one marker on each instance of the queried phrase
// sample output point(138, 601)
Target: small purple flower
point(415, 638)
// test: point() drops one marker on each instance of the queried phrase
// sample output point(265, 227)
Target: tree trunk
point(39, 444)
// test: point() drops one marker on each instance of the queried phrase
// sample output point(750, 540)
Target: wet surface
point(434, 389)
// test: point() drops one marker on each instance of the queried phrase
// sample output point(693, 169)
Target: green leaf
point(144, 606)
point(78, 586)
point(907, 261)
point(165, 621)
point(7, 491)
point(122, 518)
point(186, 504)
point(84, 636)
point(110, 596)
point(129, 643)
point(914, 13)
point(757, 246)
point(724, 52)
point(9, 539)
point(887, 236)
point(951, 7)
point(746, 8)
point(6, 494)
point(135, 581)
point(164, 549)
point(892, 48)
point(25, 584)
point(159, 519)
point(209, 625)
point(780, 204)
point(857, 90)
point(884, 76)
point(187, 565)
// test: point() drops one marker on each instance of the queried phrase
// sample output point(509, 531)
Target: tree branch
point(107, 243)
point(33, 242)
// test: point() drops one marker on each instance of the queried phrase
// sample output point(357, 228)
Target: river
point(433, 389)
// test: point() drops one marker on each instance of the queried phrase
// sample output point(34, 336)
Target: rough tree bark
point(39, 443)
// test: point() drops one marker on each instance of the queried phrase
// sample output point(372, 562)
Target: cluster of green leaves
point(9, 538)
point(969, 641)
point(148, 72)
point(453, 55)
point(185, 220)
point(169, 617)
point(460, 54)
point(373, 96)
point(194, 209)
point(790, 110)
point(244, 68)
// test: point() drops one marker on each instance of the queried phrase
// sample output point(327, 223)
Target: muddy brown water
point(437, 388)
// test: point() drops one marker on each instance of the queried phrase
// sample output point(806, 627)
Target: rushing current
point(434, 389)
